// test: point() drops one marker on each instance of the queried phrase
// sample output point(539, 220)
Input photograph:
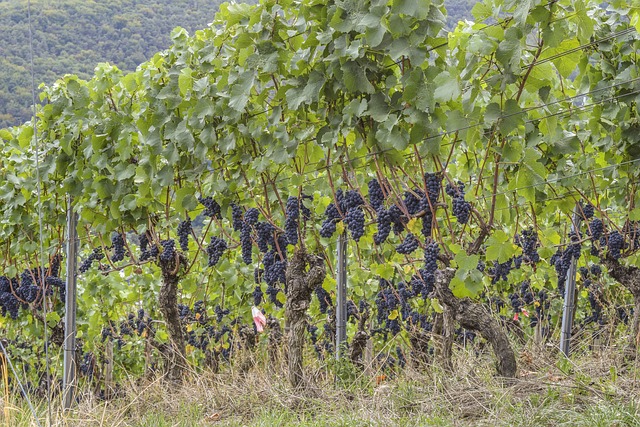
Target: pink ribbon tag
point(258, 318)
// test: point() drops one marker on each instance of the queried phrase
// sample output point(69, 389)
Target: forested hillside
point(72, 36)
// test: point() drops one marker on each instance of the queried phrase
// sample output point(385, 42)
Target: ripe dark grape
point(257, 296)
point(516, 303)
point(615, 244)
point(276, 272)
point(54, 268)
point(96, 255)
point(596, 228)
point(251, 216)
point(236, 217)
point(9, 304)
point(117, 241)
point(526, 293)
point(216, 248)
point(588, 211)
point(184, 230)
point(291, 222)
point(461, 209)
point(434, 184)
point(264, 236)
point(220, 313)
point(596, 270)
point(427, 224)
point(528, 241)
point(245, 241)
point(455, 190)
point(168, 250)
point(352, 199)
point(412, 201)
point(355, 222)
point(481, 266)
point(431, 252)
point(211, 207)
point(272, 292)
point(384, 226)
point(332, 216)
point(396, 219)
point(409, 245)
point(376, 195)
point(500, 270)
point(324, 298)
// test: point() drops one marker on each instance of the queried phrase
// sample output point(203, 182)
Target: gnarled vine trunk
point(629, 277)
point(477, 318)
point(174, 354)
point(300, 285)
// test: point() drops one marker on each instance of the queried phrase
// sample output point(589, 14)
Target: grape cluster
point(461, 208)
point(413, 201)
point(168, 250)
point(251, 216)
point(500, 270)
point(272, 293)
point(427, 225)
point(324, 298)
point(96, 255)
point(9, 304)
point(54, 267)
point(332, 216)
point(274, 268)
point(184, 230)
point(245, 242)
point(525, 292)
point(292, 213)
point(117, 241)
point(57, 282)
point(433, 182)
point(409, 245)
point(211, 207)
point(264, 236)
point(220, 313)
point(376, 195)
point(596, 229)
point(216, 248)
point(258, 295)
point(528, 241)
point(588, 211)
point(396, 220)
point(236, 217)
point(431, 252)
point(615, 244)
point(383, 220)
point(355, 222)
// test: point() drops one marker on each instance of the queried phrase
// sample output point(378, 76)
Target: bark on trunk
point(477, 318)
point(443, 331)
point(300, 285)
point(629, 277)
point(359, 342)
point(175, 355)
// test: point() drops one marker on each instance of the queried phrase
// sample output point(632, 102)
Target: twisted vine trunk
point(477, 318)
point(629, 277)
point(174, 354)
point(359, 342)
point(300, 285)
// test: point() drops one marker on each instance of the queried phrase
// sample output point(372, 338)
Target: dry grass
point(593, 389)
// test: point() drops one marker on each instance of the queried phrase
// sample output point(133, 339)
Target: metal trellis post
point(570, 291)
point(341, 300)
point(69, 375)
